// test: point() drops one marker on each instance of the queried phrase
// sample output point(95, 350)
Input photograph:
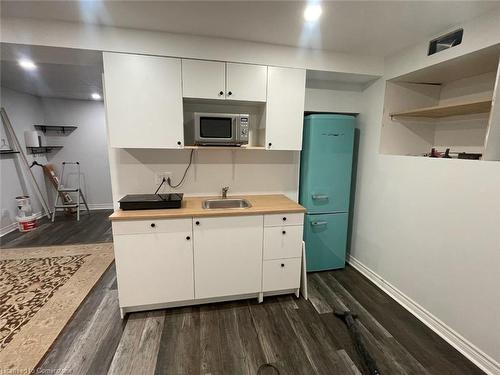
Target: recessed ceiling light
point(96, 96)
point(312, 12)
point(27, 64)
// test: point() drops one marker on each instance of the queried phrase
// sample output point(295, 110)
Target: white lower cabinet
point(281, 274)
point(154, 267)
point(172, 262)
point(227, 255)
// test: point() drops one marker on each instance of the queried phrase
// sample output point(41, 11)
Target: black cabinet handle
point(188, 238)
point(179, 143)
point(270, 144)
point(197, 223)
point(284, 218)
point(282, 264)
point(153, 225)
point(221, 92)
point(229, 93)
point(284, 232)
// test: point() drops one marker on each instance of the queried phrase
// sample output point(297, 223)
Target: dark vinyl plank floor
point(92, 228)
point(295, 335)
point(233, 338)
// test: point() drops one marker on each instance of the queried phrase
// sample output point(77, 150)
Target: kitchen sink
point(212, 204)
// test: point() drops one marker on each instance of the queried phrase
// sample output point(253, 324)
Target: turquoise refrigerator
point(325, 187)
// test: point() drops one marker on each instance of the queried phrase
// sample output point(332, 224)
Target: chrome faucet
point(224, 192)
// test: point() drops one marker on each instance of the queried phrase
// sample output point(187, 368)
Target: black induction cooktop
point(151, 201)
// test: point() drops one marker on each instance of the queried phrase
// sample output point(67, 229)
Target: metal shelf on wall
point(42, 149)
point(60, 129)
point(8, 152)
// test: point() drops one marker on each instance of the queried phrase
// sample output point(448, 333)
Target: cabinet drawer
point(283, 242)
point(283, 219)
point(152, 226)
point(281, 274)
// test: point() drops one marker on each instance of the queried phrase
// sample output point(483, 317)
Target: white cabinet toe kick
point(163, 263)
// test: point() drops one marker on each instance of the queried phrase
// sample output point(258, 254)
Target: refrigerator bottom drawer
point(325, 236)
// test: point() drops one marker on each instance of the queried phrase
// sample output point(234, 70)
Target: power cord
point(185, 173)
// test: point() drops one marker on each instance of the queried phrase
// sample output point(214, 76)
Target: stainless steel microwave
point(221, 129)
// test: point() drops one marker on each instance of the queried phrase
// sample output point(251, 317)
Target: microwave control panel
point(244, 123)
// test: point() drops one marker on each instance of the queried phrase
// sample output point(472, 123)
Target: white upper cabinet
point(285, 108)
point(203, 79)
point(246, 82)
point(219, 80)
point(143, 97)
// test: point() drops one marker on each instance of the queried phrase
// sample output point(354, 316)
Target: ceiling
point(362, 27)
point(61, 72)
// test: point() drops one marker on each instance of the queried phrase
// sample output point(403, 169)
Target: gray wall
point(87, 144)
point(23, 111)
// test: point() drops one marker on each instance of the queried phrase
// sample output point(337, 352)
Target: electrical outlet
point(159, 176)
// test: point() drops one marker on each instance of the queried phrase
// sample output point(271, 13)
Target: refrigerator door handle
point(320, 196)
point(317, 223)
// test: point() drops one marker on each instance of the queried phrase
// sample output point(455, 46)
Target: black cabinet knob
point(284, 232)
point(229, 93)
point(197, 223)
point(179, 143)
point(153, 225)
point(188, 238)
point(221, 92)
point(284, 218)
point(282, 264)
point(270, 144)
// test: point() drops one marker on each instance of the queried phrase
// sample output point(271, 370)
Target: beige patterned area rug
point(40, 290)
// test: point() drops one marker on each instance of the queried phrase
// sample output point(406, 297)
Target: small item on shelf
point(447, 154)
point(470, 156)
point(435, 153)
point(32, 138)
point(4, 146)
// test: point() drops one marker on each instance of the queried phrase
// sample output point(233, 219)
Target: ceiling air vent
point(445, 41)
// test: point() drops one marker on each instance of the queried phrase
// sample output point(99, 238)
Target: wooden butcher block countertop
point(191, 207)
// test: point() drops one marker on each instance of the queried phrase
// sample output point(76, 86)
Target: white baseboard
point(469, 350)
point(13, 226)
point(101, 206)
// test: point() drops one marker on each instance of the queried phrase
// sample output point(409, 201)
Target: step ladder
point(63, 191)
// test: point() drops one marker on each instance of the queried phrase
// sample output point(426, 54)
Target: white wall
point(71, 35)
point(23, 111)
point(342, 101)
point(480, 32)
point(429, 228)
point(244, 171)
point(87, 144)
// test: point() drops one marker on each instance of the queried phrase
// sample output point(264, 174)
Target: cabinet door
point(155, 267)
point(203, 79)
point(143, 101)
point(285, 108)
point(227, 255)
point(246, 82)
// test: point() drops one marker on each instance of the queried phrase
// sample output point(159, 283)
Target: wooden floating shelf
point(64, 129)
point(440, 111)
point(42, 149)
point(224, 148)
